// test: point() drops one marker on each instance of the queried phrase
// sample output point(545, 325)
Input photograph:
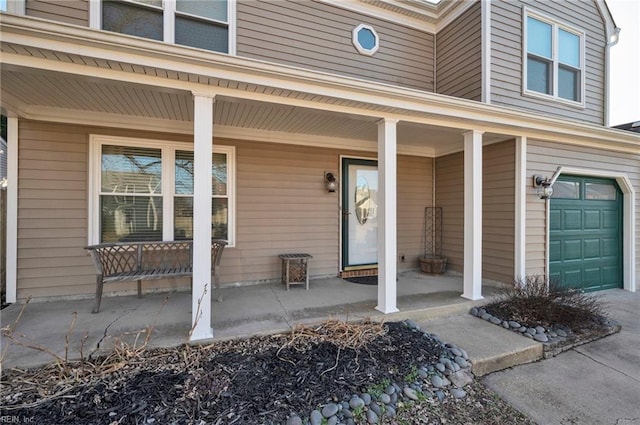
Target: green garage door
point(586, 233)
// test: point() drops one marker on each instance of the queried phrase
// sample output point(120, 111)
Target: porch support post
point(520, 267)
point(473, 215)
point(387, 225)
point(202, 190)
point(12, 210)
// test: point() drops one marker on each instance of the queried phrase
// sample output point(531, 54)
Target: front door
point(359, 213)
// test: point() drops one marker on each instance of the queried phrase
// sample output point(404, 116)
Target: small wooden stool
point(295, 269)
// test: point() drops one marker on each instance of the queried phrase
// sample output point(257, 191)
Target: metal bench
point(129, 261)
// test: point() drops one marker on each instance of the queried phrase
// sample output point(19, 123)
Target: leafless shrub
point(535, 300)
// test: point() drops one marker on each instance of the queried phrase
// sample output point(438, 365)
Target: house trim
point(628, 219)
point(486, 51)
point(12, 210)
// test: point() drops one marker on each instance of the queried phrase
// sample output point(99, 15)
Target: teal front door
point(585, 240)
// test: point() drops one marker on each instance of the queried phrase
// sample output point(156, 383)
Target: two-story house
point(478, 107)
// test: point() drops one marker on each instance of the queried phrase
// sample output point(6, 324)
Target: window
point(554, 61)
point(143, 190)
point(365, 40)
point(203, 24)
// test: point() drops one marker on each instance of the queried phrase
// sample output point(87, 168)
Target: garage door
point(586, 233)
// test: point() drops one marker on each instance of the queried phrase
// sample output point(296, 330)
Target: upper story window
point(205, 24)
point(365, 40)
point(554, 62)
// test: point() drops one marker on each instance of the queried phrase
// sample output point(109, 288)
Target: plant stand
point(432, 261)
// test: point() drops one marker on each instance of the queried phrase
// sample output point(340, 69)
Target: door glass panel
point(362, 244)
point(600, 191)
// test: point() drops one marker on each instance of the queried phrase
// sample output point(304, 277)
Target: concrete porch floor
point(245, 310)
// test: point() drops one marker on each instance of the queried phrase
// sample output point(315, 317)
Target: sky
point(625, 63)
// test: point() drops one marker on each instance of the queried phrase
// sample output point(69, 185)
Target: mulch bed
point(250, 381)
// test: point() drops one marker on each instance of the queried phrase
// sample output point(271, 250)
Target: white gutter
point(612, 41)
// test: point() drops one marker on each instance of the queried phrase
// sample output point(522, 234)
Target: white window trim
point(359, 47)
point(169, 14)
point(525, 54)
point(168, 149)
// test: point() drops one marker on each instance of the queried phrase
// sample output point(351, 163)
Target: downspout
point(613, 40)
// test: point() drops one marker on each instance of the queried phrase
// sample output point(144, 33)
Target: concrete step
point(490, 347)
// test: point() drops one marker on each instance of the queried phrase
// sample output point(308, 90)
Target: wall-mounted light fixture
point(330, 181)
point(544, 186)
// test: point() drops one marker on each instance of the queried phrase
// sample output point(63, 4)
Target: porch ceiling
point(42, 93)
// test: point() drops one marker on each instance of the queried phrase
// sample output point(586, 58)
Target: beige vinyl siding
point(544, 158)
point(459, 56)
point(507, 56)
point(69, 11)
point(316, 35)
point(282, 206)
point(498, 211)
point(450, 196)
point(415, 192)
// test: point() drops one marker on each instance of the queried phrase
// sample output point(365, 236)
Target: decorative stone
point(376, 408)
point(347, 413)
point(356, 402)
point(448, 372)
point(411, 324)
point(531, 331)
point(495, 320)
point(410, 393)
point(350, 421)
point(440, 367)
point(486, 316)
point(332, 420)
point(366, 398)
point(390, 390)
point(461, 361)
point(460, 379)
point(528, 335)
point(329, 410)
point(372, 417)
point(481, 311)
point(513, 324)
point(440, 395)
point(540, 329)
point(394, 398)
point(464, 354)
point(456, 351)
point(437, 381)
point(423, 373)
point(385, 398)
point(294, 420)
point(456, 367)
point(505, 324)
point(457, 392)
point(541, 337)
point(474, 311)
point(316, 417)
point(390, 411)
point(522, 329)
point(561, 333)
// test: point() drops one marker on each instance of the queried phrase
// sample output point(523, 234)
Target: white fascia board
point(379, 13)
point(12, 211)
point(486, 50)
point(152, 54)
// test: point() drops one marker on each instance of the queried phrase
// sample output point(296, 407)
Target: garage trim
point(628, 220)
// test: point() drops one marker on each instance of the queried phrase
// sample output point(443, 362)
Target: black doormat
point(363, 280)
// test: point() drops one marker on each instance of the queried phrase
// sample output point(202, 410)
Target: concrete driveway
point(596, 383)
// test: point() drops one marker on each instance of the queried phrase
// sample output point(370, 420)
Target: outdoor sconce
point(544, 186)
point(330, 181)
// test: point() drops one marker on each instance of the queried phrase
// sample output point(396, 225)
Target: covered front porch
point(246, 310)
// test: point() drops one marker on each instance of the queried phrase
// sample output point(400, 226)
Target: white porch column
point(12, 210)
point(473, 215)
point(387, 226)
point(202, 190)
point(520, 266)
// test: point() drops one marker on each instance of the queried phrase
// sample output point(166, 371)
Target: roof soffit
point(106, 56)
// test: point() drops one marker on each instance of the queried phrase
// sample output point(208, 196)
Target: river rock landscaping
point(334, 373)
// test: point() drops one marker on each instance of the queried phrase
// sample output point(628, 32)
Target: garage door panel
point(572, 250)
point(572, 220)
point(591, 219)
point(585, 240)
point(591, 248)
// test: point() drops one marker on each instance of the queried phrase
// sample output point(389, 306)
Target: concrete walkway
point(596, 383)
